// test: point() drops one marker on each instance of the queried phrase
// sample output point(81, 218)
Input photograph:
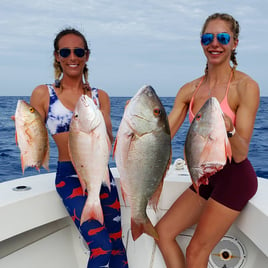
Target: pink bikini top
point(224, 104)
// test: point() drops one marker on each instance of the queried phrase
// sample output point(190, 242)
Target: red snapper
point(31, 137)
point(89, 147)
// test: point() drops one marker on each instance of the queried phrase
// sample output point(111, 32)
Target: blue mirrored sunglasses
point(223, 38)
point(65, 52)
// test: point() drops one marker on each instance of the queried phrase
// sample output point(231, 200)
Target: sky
point(132, 42)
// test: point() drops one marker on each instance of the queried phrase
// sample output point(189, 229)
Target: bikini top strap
point(198, 86)
point(229, 82)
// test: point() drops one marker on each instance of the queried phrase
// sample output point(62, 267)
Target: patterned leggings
point(104, 241)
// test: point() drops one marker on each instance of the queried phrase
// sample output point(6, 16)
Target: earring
point(57, 83)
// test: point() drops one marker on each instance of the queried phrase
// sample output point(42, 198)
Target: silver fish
point(207, 146)
point(142, 153)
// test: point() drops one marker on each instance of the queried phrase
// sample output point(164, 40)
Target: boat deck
point(29, 204)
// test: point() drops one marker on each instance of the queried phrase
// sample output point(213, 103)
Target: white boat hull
point(36, 230)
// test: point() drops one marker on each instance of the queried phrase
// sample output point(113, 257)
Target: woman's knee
point(197, 255)
point(164, 236)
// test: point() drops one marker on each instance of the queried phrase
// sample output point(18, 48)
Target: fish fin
point(109, 143)
point(37, 168)
point(115, 144)
point(137, 229)
point(106, 179)
point(22, 164)
point(45, 163)
point(16, 138)
point(196, 187)
point(83, 185)
point(156, 196)
point(124, 195)
point(92, 211)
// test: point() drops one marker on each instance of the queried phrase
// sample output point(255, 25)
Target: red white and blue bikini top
point(59, 117)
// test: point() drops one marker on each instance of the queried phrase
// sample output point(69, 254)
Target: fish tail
point(92, 211)
point(137, 229)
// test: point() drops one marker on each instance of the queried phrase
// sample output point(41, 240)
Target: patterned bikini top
point(59, 117)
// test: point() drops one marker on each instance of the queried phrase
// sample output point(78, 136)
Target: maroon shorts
point(232, 186)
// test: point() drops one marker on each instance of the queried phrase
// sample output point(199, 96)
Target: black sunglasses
point(65, 52)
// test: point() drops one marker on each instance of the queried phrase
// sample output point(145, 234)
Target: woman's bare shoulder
point(244, 79)
point(40, 99)
point(246, 85)
point(187, 90)
point(40, 91)
point(247, 91)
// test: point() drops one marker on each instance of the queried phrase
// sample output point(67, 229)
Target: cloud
point(154, 38)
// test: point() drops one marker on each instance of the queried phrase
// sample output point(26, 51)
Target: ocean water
point(10, 166)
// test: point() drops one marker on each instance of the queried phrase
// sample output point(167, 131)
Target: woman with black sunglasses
point(56, 103)
point(217, 204)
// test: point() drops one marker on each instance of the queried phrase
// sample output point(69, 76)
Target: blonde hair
point(234, 27)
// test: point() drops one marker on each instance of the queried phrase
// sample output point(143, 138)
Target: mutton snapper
point(31, 137)
point(207, 146)
point(142, 152)
point(89, 147)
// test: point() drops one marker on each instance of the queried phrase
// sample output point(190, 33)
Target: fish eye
point(31, 109)
point(157, 111)
point(76, 115)
point(198, 116)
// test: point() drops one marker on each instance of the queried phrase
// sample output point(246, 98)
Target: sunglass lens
point(65, 52)
point(206, 39)
point(223, 38)
point(79, 52)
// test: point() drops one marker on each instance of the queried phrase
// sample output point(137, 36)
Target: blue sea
point(10, 166)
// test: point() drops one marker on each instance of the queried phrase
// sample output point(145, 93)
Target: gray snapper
point(142, 152)
point(207, 146)
point(89, 147)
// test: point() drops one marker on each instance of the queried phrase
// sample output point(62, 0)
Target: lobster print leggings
point(104, 241)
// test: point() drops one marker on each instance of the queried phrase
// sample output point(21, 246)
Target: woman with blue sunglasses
point(56, 103)
point(217, 204)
